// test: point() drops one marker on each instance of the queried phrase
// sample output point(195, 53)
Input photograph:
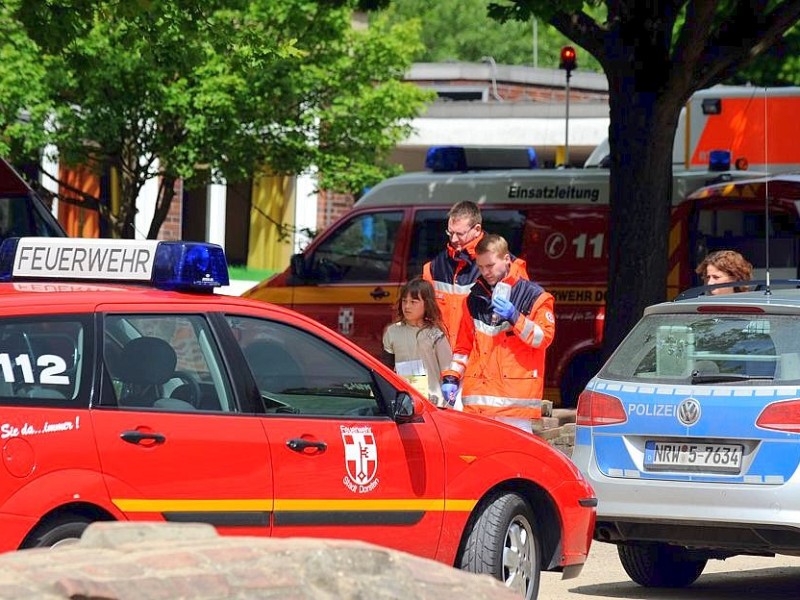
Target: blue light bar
point(189, 266)
point(445, 159)
point(452, 159)
point(719, 160)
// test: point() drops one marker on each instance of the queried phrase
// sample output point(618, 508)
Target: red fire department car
point(129, 391)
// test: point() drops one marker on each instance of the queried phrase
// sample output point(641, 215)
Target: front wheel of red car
point(60, 531)
point(660, 565)
point(503, 543)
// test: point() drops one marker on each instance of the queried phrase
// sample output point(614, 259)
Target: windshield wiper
point(727, 377)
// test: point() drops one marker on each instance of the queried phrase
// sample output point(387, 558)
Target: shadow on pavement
point(777, 583)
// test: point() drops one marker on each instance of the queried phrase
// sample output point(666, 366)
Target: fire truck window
point(361, 250)
point(299, 373)
point(429, 238)
point(744, 232)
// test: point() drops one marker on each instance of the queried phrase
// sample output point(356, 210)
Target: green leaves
point(212, 89)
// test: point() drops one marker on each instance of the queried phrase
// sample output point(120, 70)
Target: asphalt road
point(753, 578)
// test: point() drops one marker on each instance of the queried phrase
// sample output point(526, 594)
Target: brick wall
point(171, 229)
point(331, 206)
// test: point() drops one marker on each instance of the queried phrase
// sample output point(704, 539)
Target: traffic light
point(569, 59)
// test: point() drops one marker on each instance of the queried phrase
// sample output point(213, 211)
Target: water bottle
point(501, 290)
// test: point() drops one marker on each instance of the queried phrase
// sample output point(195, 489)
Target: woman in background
point(725, 266)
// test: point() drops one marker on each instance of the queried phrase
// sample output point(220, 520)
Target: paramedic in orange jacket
point(452, 272)
point(499, 352)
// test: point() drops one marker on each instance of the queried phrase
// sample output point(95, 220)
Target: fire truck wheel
point(503, 543)
point(62, 530)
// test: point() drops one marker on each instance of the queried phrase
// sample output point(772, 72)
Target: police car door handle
point(299, 444)
point(137, 437)
point(379, 293)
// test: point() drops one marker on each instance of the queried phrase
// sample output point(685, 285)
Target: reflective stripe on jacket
point(500, 364)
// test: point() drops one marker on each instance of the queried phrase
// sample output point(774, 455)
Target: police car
point(129, 391)
point(690, 435)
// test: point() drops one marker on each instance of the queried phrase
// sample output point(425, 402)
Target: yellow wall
point(273, 196)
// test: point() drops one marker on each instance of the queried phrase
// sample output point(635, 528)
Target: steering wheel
point(191, 388)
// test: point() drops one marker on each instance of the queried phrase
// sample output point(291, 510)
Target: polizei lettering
point(554, 192)
point(651, 410)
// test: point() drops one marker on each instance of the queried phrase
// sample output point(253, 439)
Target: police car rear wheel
point(503, 543)
point(57, 532)
point(659, 565)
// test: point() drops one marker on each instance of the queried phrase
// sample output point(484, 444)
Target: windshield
point(707, 348)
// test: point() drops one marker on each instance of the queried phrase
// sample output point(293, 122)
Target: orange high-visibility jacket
point(501, 364)
point(452, 275)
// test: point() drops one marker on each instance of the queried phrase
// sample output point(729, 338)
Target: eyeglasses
point(459, 235)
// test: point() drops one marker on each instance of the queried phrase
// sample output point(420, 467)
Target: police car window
point(299, 373)
point(428, 236)
point(362, 250)
point(694, 348)
point(164, 362)
point(43, 361)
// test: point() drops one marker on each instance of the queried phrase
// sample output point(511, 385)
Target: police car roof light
point(188, 266)
point(452, 159)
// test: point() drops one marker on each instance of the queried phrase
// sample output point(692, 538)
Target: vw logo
point(689, 411)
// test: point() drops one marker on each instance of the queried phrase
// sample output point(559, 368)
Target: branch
point(747, 37)
point(583, 30)
point(88, 202)
point(690, 44)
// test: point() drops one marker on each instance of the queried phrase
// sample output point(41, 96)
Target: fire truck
point(758, 126)
point(22, 212)
point(555, 219)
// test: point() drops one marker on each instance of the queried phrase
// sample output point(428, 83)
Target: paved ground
point(737, 578)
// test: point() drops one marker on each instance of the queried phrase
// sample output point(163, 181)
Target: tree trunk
point(166, 191)
point(640, 198)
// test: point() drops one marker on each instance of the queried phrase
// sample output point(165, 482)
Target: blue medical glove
point(504, 309)
point(449, 389)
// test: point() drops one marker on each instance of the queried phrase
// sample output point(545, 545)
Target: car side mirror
point(298, 265)
point(406, 407)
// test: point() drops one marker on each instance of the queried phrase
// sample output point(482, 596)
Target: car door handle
point(299, 444)
point(378, 293)
point(137, 437)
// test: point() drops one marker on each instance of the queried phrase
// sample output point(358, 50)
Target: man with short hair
point(499, 353)
point(452, 272)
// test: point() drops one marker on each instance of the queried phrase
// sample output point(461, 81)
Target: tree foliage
point(217, 90)
point(462, 30)
point(655, 56)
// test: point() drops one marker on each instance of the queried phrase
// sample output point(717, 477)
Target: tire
point(659, 565)
point(503, 543)
point(63, 530)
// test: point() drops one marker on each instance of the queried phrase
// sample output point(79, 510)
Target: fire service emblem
point(360, 458)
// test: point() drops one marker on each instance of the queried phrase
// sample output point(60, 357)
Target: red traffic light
point(569, 59)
